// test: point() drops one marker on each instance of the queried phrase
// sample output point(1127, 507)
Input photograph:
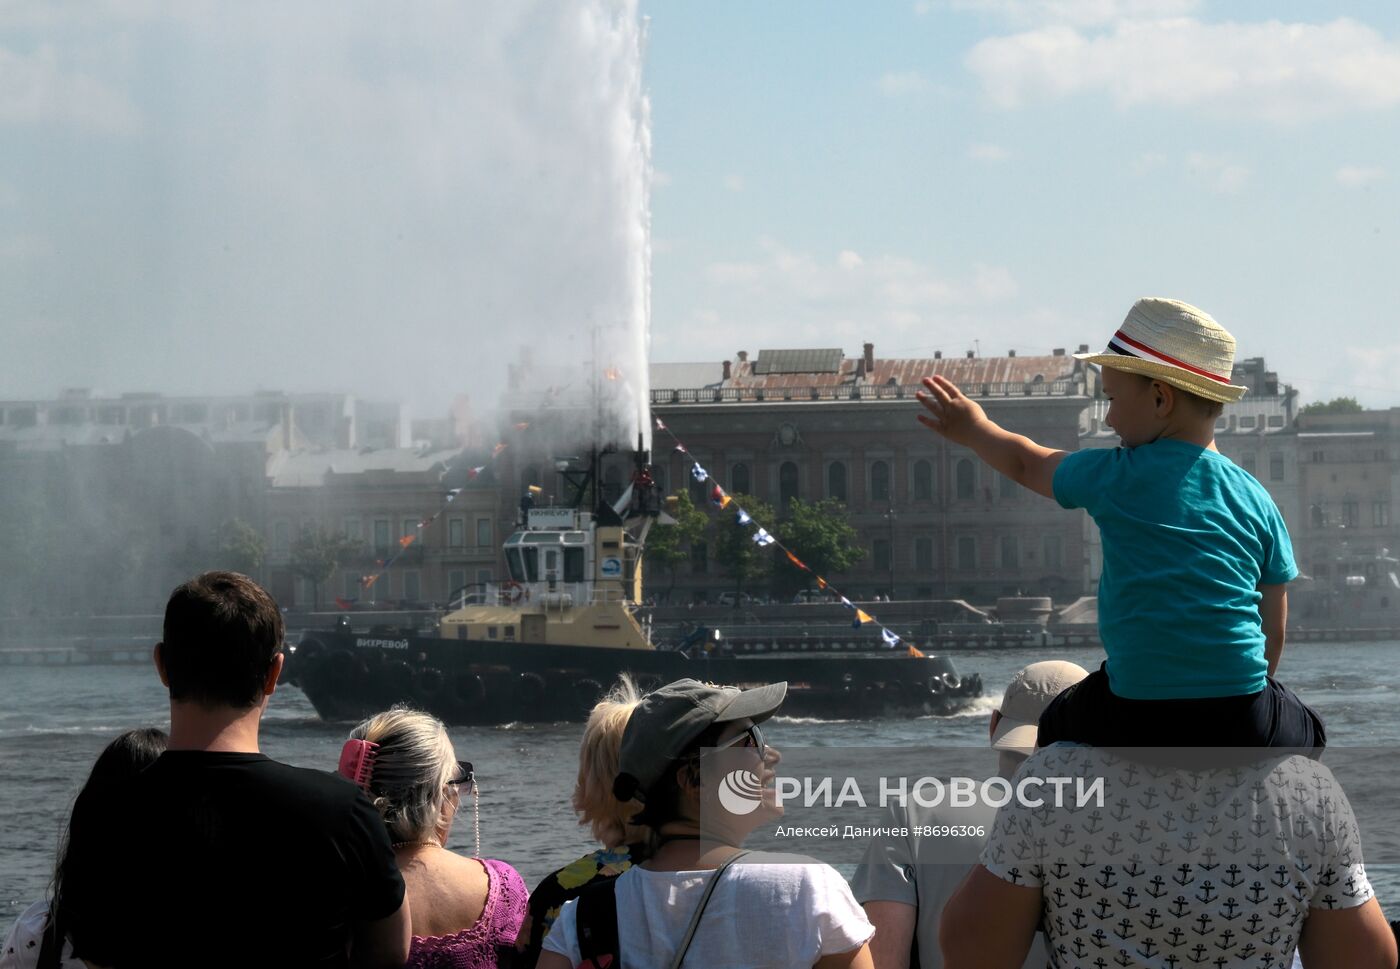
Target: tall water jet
point(328, 195)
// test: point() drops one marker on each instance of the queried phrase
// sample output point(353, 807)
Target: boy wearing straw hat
point(1192, 604)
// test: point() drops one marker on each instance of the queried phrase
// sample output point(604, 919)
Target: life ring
point(429, 681)
point(513, 592)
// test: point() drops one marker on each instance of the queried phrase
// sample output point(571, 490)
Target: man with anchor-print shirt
point(1175, 867)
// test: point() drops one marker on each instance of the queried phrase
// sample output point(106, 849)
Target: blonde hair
point(412, 766)
point(607, 817)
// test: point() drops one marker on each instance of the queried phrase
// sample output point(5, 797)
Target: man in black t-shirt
point(235, 859)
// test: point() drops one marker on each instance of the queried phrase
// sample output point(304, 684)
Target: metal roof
point(798, 361)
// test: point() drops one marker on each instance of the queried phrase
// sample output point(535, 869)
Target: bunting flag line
point(408, 540)
point(521, 426)
point(534, 489)
point(495, 451)
point(763, 538)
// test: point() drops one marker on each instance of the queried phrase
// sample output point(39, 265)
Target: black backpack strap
point(596, 926)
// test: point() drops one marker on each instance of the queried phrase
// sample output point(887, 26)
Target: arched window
point(836, 481)
point(787, 483)
point(880, 481)
point(739, 479)
point(964, 479)
point(923, 480)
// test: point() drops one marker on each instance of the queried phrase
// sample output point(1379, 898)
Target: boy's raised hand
point(949, 412)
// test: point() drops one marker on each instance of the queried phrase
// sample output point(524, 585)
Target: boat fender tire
point(951, 681)
point(309, 649)
point(588, 692)
point(469, 688)
point(531, 688)
point(936, 686)
point(429, 681)
point(344, 666)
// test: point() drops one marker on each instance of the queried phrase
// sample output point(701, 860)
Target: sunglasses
point(465, 774)
point(752, 737)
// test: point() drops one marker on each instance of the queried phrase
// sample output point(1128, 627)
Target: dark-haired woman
point(70, 926)
point(700, 900)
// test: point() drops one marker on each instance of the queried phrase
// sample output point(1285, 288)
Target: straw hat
point(1176, 343)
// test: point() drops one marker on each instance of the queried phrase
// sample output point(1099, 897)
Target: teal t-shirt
point(1187, 539)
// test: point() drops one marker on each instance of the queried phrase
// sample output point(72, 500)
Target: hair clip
point(357, 762)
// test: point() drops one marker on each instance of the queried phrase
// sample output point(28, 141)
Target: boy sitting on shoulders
point(1192, 604)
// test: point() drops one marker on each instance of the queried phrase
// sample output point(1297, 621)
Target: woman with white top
point(700, 899)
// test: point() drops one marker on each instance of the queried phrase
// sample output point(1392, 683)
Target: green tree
point(316, 554)
point(1337, 405)
point(669, 545)
point(820, 534)
point(242, 547)
point(741, 558)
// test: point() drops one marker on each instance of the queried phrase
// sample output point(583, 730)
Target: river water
point(55, 720)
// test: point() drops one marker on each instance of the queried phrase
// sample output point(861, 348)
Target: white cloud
point(895, 84)
point(1273, 71)
point(988, 153)
point(1076, 12)
point(1218, 172)
point(660, 179)
point(36, 89)
point(734, 183)
point(1147, 162)
point(1359, 176)
point(786, 291)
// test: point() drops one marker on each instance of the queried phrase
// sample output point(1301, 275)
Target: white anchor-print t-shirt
point(1178, 869)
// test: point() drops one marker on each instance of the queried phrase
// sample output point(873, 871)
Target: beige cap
point(1030, 692)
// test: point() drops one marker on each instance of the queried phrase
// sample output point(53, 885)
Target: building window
point(787, 483)
point(281, 537)
point(1275, 420)
point(739, 479)
point(411, 590)
point(456, 581)
point(1247, 420)
point(483, 533)
point(923, 480)
point(836, 481)
point(1317, 457)
point(456, 532)
point(967, 553)
point(880, 481)
point(964, 475)
point(410, 527)
point(1349, 514)
point(354, 529)
point(923, 554)
point(880, 556)
point(1380, 514)
point(1275, 466)
point(699, 558)
point(1248, 462)
point(1006, 488)
point(483, 576)
point(1054, 552)
point(1010, 552)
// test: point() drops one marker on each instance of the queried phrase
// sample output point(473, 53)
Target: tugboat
point(548, 642)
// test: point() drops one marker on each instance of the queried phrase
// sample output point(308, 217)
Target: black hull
point(349, 677)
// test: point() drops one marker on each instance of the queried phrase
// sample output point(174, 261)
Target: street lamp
point(890, 517)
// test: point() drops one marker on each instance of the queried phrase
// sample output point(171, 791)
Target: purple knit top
point(488, 943)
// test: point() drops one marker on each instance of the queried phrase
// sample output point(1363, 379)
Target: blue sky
point(212, 196)
point(1013, 174)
